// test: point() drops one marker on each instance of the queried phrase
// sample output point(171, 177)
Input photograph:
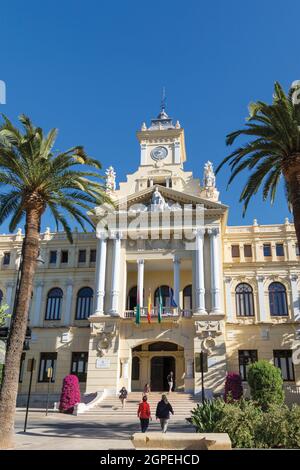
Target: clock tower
point(162, 144)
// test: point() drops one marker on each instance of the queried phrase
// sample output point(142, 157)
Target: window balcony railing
point(167, 312)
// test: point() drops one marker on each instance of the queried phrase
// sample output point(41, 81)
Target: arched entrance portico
point(153, 361)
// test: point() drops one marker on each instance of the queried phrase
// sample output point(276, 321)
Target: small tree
point(233, 387)
point(3, 314)
point(265, 382)
point(70, 394)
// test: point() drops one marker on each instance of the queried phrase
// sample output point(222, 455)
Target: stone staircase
point(111, 406)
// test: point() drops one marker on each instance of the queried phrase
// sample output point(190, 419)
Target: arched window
point(166, 294)
point(84, 303)
point(132, 298)
point(277, 299)
point(244, 300)
point(54, 301)
point(187, 298)
point(135, 372)
point(1, 297)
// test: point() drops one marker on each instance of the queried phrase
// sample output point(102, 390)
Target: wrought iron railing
point(167, 312)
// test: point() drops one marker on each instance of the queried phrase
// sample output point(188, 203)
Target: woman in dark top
point(163, 411)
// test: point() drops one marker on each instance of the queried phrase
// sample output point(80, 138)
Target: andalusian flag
point(149, 307)
point(138, 310)
point(160, 306)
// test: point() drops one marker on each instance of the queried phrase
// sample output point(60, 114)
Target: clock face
point(159, 153)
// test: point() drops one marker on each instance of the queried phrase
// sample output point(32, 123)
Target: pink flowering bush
point(233, 387)
point(70, 394)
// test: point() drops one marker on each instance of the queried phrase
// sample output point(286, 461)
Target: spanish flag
point(149, 307)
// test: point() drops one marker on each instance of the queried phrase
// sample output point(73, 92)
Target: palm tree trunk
point(9, 390)
point(293, 182)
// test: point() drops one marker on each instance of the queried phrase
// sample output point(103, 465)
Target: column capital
point(213, 231)
point(176, 259)
point(39, 284)
point(260, 278)
point(102, 235)
point(140, 261)
point(293, 277)
point(69, 282)
point(227, 279)
point(116, 235)
point(199, 232)
point(10, 284)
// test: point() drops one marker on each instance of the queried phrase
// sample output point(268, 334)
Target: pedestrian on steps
point(144, 413)
point(163, 411)
point(123, 396)
point(146, 390)
point(170, 380)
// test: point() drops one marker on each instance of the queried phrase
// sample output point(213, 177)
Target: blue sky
point(95, 70)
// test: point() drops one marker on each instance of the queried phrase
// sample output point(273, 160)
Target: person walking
point(163, 411)
point(144, 413)
point(123, 396)
point(146, 389)
point(170, 380)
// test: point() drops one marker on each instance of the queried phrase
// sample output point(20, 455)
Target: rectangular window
point(248, 251)
point(53, 257)
point(297, 250)
point(79, 365)
point(47, 360)
point(93, 254)
point(283, 360)
point(246, 357)
point(6, 258)
point(64, 256)
point(235, 251)
point(279, 249)
point(22, 367)
point(82, 256)
point(267, 249)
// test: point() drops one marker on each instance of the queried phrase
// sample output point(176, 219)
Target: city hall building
point(123, 307)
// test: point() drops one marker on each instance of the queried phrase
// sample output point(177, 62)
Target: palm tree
point(274, 151)
point(36, 178)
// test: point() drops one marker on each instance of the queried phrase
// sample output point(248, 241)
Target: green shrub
point(205, 417)
point(240, 420)
point(273, 430)
point(293, 418)
point(265, 384)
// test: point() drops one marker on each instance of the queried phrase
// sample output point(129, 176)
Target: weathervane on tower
point(163, 100)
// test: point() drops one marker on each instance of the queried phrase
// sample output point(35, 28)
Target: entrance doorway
point(161, 366)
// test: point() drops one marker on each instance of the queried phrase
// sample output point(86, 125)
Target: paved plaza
point(66, 432)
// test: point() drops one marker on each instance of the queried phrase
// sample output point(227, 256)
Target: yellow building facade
point(162, 284)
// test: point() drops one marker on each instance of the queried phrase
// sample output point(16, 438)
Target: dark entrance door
point(161, 366)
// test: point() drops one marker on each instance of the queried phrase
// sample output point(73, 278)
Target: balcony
point(167, 312)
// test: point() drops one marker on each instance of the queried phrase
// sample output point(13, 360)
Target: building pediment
point(161, 198)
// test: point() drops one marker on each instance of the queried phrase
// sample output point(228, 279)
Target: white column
point(100, 275)
point(261, 299)
point(200, 290)
point(115, 285)
point(140, 282)
point(38, 293)
point(295, 296)
point(9, 300)
point(177, 152)
point(229, 312)
point(143, 154)
point(215, 264)
point(67, 316)
point(176, 272)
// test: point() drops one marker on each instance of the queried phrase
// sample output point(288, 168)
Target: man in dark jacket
point(163, 411)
